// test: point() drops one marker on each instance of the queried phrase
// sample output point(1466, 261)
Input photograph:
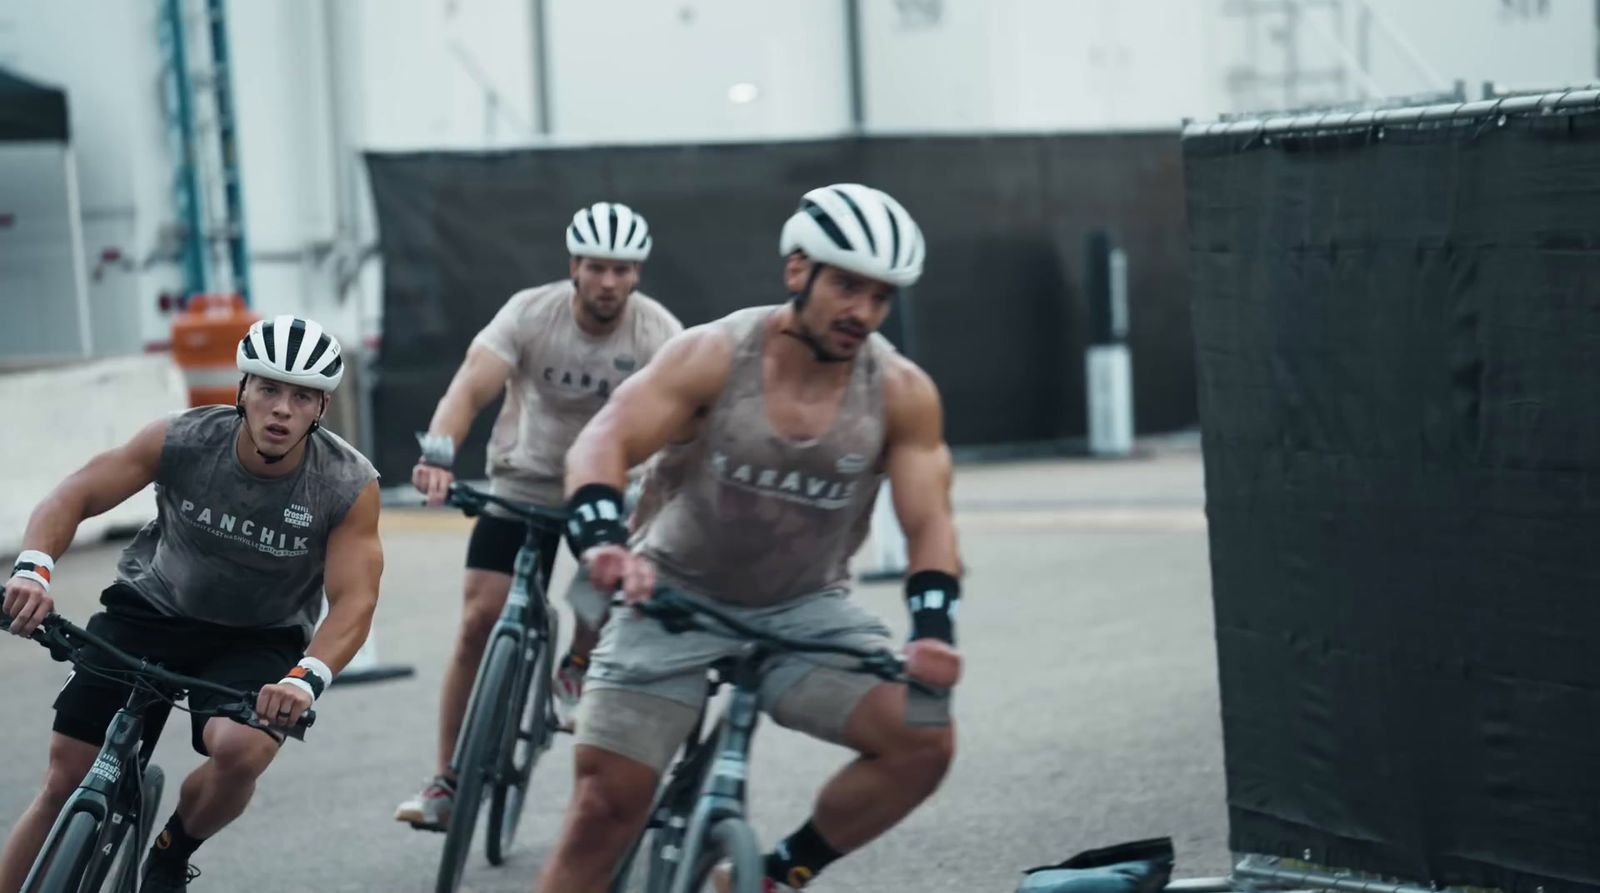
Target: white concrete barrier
point(58, 418)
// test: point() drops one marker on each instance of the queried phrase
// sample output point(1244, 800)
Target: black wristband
point(931, 596)
point(595, 518)
point(310, 677)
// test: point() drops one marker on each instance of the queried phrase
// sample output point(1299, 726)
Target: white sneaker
point(430, 809)
point(568, 691)
point(722, 880)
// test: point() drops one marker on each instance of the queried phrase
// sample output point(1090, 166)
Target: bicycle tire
point(69, 855)
point(734, 841)
point(521, 745)
point(155, 781)
point(479, 754)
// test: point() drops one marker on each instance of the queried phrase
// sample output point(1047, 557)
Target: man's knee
point(925, 751)
point(485, 598)
point(238, 751)
point(611, 796)
point(879, 727)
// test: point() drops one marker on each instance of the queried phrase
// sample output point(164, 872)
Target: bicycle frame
point(716, 765)
point(115, 777)
point(525, 620)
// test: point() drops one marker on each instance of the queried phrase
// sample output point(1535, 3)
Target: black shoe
point(167, 876)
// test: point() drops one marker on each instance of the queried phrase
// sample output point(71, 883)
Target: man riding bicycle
point(776, 425)
point(558, 350)
point(260, 513)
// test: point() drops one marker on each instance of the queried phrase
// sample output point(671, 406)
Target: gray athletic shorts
point(645, 685)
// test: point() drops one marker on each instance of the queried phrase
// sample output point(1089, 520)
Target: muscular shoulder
point(201, 428)
point(695, 363)
point(341, 460)
point(911, 399)
point(906, 383)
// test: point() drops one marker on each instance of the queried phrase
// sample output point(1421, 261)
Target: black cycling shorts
point(241, 658)
point(495, 541)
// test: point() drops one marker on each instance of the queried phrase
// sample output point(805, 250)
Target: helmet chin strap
point(799, 331)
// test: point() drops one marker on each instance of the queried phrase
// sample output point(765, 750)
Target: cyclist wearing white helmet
point(260, 512)
point(558, 350)
point(776, 425)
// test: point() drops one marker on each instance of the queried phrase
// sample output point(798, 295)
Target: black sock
point(800, 857)
point(174, 843)
point(581, 661)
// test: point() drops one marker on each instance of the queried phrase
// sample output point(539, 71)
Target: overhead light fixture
point(743, 92)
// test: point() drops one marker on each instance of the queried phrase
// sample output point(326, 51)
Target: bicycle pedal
point(423, 826)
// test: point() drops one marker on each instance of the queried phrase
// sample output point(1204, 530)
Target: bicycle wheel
point(132, 848)
point(480, 749)
point(521, 745)
point(730, 840)
point(67, 854)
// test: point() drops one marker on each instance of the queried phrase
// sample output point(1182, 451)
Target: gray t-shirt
point(230, 547)
point(562, 377)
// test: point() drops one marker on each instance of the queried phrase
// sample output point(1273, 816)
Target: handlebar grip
point(296, 731)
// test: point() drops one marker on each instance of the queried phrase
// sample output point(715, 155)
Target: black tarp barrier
point(998, 320)
point(1398, 340)
point(30, 111)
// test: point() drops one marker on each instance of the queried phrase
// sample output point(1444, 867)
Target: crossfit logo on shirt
point(297, 514)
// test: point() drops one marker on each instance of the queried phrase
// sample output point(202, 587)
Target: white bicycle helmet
point(856, 228)
point(291, 350)
point(609, 230)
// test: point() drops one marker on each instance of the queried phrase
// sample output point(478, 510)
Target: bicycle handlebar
point(471, 500)
point(678, 610)
point(66, 640)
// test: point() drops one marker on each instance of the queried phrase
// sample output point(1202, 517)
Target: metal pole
point(1108, 367)
point(541, 67)
point(852, 32)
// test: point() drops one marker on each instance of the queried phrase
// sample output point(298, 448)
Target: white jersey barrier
point(61, 416)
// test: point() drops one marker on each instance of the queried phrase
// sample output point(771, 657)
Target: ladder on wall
point(202, 131)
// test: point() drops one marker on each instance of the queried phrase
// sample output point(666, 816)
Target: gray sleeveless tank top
point(748, 516)
point(232, 548)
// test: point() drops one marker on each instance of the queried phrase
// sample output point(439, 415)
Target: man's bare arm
point(920, 471)
point(481, 376)
point(350, 577)
point(654, 407)
point(103, 483)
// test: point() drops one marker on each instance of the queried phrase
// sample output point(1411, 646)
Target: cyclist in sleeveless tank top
point(558, 351)
point(776, 426)
point(260, 513)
